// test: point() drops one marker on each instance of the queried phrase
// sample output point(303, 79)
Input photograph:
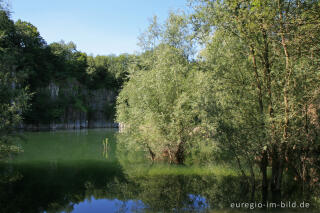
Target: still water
point(80, 172)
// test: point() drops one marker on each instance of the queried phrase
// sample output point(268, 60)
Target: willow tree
point(169, 107)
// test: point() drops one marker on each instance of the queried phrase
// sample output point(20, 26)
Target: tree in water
point(169, 107)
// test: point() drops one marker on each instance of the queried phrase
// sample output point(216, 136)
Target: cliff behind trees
point(69, 88)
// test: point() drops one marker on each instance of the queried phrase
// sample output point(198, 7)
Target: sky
point(98, 27)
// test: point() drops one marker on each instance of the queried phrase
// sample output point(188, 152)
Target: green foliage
point(175, 32)
point(262, 55)
point(70, 62)
point(79, 104)
point(168, 106)
point(252, 97)
point(13, 95)
point(108, 71)
point(43, 109)
point(71, 71)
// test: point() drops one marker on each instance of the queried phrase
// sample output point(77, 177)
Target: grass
point(167, 169)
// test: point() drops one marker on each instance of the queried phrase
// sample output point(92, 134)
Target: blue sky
point(96, 26)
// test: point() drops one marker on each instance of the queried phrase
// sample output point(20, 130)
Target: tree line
point(251, 96)
point(30, 68)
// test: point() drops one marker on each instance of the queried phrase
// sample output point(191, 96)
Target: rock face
point(99, 116)
point(78, 107)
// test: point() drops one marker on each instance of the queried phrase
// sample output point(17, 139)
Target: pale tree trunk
point(264, 157)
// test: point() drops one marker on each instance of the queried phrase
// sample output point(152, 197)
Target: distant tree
point(175, 31)
point(71, 63)
point(108, 71)
point(150, 38)
point(13, 96)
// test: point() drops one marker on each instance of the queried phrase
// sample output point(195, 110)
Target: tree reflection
point(41, 187)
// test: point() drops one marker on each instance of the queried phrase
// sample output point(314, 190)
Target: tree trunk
point(253, 182)
point(152, 154)
point(277, 171)
point(263, 168)
point(180, 155)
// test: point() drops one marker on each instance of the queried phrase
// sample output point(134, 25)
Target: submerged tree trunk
point(152, 154)
point(263, 169)
point(276, 177)
point(264, 156)
point(180, 155)
point(253, 181)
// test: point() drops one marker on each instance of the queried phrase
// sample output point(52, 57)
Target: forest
point(234, 82)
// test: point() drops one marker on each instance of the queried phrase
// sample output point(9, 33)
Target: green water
point(79, 171)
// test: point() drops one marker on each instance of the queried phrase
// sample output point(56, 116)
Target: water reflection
point(73, 187)
point(75, 172)
point(105, 205)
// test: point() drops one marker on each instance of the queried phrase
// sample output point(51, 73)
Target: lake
point(79, 171)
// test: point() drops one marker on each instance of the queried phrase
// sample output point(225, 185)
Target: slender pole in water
point(105, 148)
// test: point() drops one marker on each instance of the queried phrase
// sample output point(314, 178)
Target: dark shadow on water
point(69, 174)
point(103, 187)
point(55, 186)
